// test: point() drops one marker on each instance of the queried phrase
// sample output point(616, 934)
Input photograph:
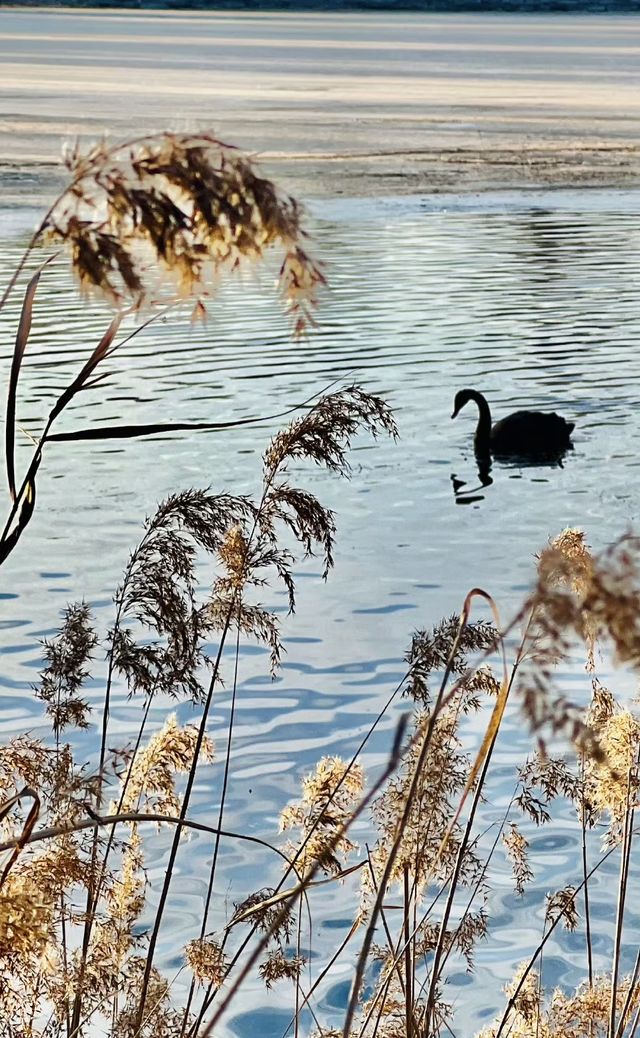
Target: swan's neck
point(483, 428)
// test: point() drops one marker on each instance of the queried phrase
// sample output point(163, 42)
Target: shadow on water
point(465, 495)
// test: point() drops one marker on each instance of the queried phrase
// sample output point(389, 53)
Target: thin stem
point(635, 1022)
point(483, 872)
point(435, 969)
point(470, 901)
point(13, 280)
point(630, 996)
point(63, 918)
point(441, 701)
point(453, 885)
point(587, 911)
point(212, 871)
point(381, 997)
point(622, 892)
point(103, 821)
point(210, 994)
point(381, 994)
point(94, 886)
point(408, 968)
point(323, 974)
point(539, 984)
point(308, 878)
point(153, 939)
point(225, 782)
point(233, 605)
point(296, 1025)
point(527, 970)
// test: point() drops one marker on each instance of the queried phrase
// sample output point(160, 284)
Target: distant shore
point(332, 103)
point(427, 6)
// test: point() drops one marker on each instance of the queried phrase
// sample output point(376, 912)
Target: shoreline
point(576, 8)
point(332, 104)
point(459, 172)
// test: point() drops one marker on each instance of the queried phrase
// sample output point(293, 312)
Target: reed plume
point(161, 217)
point(147, 224)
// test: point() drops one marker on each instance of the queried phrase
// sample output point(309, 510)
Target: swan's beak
point(454, 413)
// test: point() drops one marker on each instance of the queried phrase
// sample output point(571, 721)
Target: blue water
point(532, 299)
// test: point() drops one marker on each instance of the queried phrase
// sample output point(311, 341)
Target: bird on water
point(521, 433)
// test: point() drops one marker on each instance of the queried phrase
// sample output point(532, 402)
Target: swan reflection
point(465, 495)
point(468, 495)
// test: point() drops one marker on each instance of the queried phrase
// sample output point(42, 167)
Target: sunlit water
point(534, 300)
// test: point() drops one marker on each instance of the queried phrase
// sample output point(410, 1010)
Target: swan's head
point(462, 397)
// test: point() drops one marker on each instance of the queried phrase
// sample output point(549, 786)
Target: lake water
point(534, 300)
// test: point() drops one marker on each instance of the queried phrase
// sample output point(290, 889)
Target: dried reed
point(154, 220)
point(428, 860)
point(149, 223)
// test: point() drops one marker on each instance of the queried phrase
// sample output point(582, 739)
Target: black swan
point(523, 432)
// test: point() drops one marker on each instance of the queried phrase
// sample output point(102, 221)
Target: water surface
point(531, 298)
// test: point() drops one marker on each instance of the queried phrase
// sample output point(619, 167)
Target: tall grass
point(413, 852)
point(422, 903)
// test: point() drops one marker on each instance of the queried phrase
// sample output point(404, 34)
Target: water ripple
point(533, 299)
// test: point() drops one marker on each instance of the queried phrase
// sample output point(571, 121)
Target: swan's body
point(523, 432)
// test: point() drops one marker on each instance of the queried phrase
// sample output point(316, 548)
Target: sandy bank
point(334, 103)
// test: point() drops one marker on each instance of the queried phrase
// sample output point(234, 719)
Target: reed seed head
point(162, 217)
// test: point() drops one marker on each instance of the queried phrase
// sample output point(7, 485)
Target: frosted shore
point(335, 103)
